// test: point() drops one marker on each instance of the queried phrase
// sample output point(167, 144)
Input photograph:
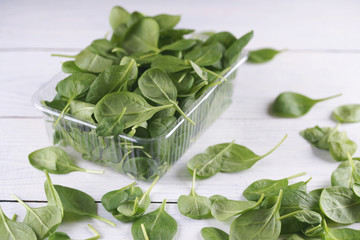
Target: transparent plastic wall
point(140, 158)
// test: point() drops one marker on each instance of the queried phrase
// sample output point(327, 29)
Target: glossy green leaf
point(193, 205)
point(158, 225)
point(179, 45)
point(167, 21)
point(317, 136)
point(340, 145)
point(211, 233)
point(89, 61)
point(12, 230)
point(70, 67)
point(262, 55)
point(169, 64)
point(159, 126)
point(347, 113)
point(78, 203)
point(233, 52)
point(205, 56)
point(293, 105)
point(225, 38)
point(258, 223)
point(52, 195)
point(55, 160)
point(118, 16)
point(82, 110)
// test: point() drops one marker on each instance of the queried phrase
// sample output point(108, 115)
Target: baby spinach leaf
point(137, 109)
point(78, 203)
point(205, 56)
point(340, 145)
point(143, 36)
point(157, 86)
point(347, 175)
point(225, 38)
point(104, 48)
point(159, 126)
point(131, 209)
point(258, 223)
point(267, 187)
point(54, 160)
point(89, 61)
point(143, 168)
point(183, 81)
point(43, 220)
point(112, 79)
point(347, 113)
point(340, 233)
point(133, 74)
point(70, 67)
point(317, 136)
point(113, 199)
point(169, 63)
point(111, 126)
point(193, 205)
point(74, 86)
point(199, 71)
point(167, 21)
point(294, 200)
point(302, 186)
point(211, 233)
point(158, 225)
point(64, 236)
point(82, 110)
point(118, 16)
point(224, 209)
point(300, 221)
point(262, 55)
point(12, 230)
point(179, 45)
point(215, 198)
point(340, 204)
point(52, 195)
point(233, 52)
point(293, 105)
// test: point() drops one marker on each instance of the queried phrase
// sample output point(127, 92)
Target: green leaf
point(111, 126)
point(205, 56)
point(143, 36)
point(59, 236)
point(157, 86)
point(211, 233)
point(225, 38)
point(159, 126)
point(118, 16)
point(340, 204)
point(340, 233)
point(143, 168)
point(166, 21)
point(340, 145)
point(78, 203)
point(233, 52)
point(89, 61)
point(262, 55)
point(158, 225)
point(113, 199)
point(293, 105)
point(267, 187)
point(222, 210)
point(70, 67)
point(55, 161)
point(52, 195)
point(348, 113)
point(12, 230)
point(179, 45)
point(82, 110)
point(43, 220)
point(193, 205)
point(258, 223)
point(112, 79)
point(317, 136)
point(137, 109)
point(169, 63)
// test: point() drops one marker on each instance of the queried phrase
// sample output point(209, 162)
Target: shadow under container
point(139, 158)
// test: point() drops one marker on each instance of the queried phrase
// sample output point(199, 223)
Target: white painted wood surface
point(323, 59)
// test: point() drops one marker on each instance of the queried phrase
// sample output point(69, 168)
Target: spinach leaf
point(118, 16)
point(74, 86)
point(340, 204)
point(300, 221)
point(225, 38)
point(302, 186)
point(70, 67)
point(224, 209)
point(43, 220)
point(89, 61)
point(225, 157)
point(267, 187)
point(158, 225)
point(317, 136)
point(104, 48)
point(12, 230)
point(293, 105)
point(55, 160)
point(133, 209)
point(143, 168)
point(211, 233)
point(169, 64)
point(157, 86)
point(111, 126)
point(294, 200)
point(112, 79)
point(233, 52)
point(167, 21)
point(262, 55)
point(340, 233)
point(78, 203)
point(137, 109)
point(113, 199)
point(193, 205)
point(179, 45)
point(82, 110)
point(258, 223)
point(347, 113)
point(205, 56)
point(159, 126)
point(143, 36)
point(64, 236)
point(52, 195)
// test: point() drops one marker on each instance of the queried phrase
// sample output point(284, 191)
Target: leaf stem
point(62, 55)
point(103, 220)
point(324, 99)
point(97, 235)
point(277, 145)
point(63, 111)
point(193, 183)
point(163, 205)
point(296, 175)
point(14, 217)
point(182, 113)
point(92, 171)
point(214, 74)
point(144, 231)
point(291, 214)
point(313, 229)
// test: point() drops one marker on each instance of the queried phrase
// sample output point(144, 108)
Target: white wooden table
point(323, 59)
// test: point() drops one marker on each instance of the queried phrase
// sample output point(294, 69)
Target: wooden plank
point(282, 24)
point(315, 74)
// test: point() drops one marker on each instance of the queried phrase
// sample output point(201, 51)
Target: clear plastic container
point(140, 158)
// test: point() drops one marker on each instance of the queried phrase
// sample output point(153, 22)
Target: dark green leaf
point(262, 55)
point(233, 52)
point(166, 21)
point(210, 233)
